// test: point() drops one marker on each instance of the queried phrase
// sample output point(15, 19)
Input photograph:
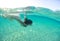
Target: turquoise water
point(43, 29)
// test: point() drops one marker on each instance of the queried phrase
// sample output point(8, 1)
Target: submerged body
point(25, 23)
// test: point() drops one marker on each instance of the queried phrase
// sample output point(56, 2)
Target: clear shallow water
point(42, 29)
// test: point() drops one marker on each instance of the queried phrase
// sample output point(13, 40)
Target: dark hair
point(28, 21)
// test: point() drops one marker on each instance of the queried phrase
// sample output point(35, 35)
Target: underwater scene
point(45, 24)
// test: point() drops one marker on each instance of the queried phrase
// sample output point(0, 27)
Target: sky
point(51, 4)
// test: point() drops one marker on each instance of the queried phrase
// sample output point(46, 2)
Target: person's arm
point(14, 17)
point(18, 19)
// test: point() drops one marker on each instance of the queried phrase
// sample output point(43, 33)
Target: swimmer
point(25, 23)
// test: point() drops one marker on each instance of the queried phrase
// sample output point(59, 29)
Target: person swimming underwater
point(25, 23)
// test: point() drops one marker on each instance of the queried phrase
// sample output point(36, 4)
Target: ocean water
point(44, 28)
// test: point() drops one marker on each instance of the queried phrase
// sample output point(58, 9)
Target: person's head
point(28, 21)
